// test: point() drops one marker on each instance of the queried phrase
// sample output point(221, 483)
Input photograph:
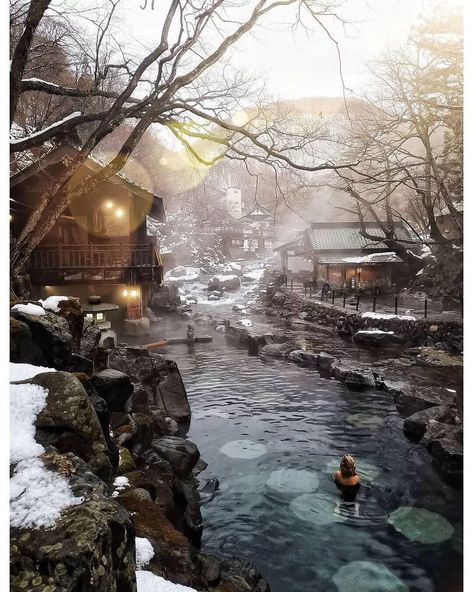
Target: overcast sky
point(298, 65)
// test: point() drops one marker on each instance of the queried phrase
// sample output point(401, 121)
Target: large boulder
point(223, 282)
point(325, 361)
point(237, 335)
point(377, 338)
point(158, 377)
point(239, 575)
point(69, 423)
point(175, 558)
point(71, 310)
point(113, 386)
point(278, 350)
point(51, 334)
point(90, 547)
point(23, 350)
point(353, 376)
point(301, 356)
point(411, 400)
point(173, 394)
point(447, 453)
point(415, 425)
point(181, 454)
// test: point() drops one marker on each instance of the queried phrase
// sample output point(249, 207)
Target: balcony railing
point(94, 262)
point(92, 256)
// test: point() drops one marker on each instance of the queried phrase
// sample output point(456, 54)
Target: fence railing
point(356, 300)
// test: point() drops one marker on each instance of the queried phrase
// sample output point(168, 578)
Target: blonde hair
point(348, 466)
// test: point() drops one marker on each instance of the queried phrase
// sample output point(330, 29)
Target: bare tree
point(411, 135)
point(171, 86)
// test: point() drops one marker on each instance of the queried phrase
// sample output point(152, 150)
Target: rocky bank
point(114, 428)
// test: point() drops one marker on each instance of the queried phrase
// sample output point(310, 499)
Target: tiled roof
point(353, 257)
point(347, 236)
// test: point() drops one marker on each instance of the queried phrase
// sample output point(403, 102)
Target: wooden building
point(248, 236)
point(100, 244)
point(337, 253)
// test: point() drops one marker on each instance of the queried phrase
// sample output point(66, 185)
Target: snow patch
point(120, 484)
point(32, 309)
point(37, 495)
point(182, 274)
point(25, 371)
point(52, 302)
point(144, 552)
point(375, 331)
point(386, 257)
point(380, 315)
point(147, 581)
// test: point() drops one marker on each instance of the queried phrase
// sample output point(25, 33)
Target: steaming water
point(272, 433)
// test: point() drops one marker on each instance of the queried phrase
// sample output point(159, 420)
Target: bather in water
point(347, 479)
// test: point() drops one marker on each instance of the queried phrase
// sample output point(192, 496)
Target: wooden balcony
point(110, 263)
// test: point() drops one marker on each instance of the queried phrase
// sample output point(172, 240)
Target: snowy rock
point(147, 581)
point(227, 282)
point(182, 274)
point(51, 303)
point(29, 309)
point(69, 423)
point(377, 338)
point(55, 556)
point(385, 316)
point(245, 323)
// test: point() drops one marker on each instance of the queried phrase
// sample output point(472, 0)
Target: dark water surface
point(297, 420)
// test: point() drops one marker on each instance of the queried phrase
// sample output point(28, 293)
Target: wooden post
point(357, 301)
point(333, 295)
point(425, 309)
point(344, 299)
point(310, 290)
point(374, 303)
point(305, 288)
point(395, 305)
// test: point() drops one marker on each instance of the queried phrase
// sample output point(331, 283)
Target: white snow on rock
point(376, 331)
point(24, 371)
point(256, 274)
point(226, 278)
point(380, 315)
point(148, 582)
point(182, 274)
point(245, 323)
point(37, 495)
point(52, 302)
point(32, 309)
point(120, 484)
point(144, 552)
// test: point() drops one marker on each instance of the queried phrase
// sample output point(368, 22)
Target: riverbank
point(110, 427)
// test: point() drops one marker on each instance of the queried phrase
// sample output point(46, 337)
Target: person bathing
point(347, 478)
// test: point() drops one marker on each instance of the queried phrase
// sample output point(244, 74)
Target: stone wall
point(446, 335)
